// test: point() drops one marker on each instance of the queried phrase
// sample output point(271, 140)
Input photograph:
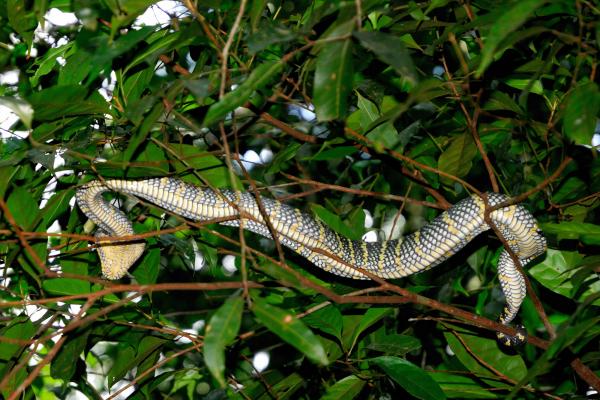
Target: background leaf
point(412, 378)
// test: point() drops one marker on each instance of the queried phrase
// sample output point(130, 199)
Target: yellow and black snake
point(421, 250)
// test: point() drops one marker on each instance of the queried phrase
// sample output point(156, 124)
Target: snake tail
point(302, 233)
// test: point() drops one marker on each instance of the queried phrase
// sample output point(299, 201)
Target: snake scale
point(327, 249)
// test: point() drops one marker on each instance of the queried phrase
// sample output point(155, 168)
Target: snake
point(421, 250)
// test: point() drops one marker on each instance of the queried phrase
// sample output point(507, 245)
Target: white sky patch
point(161, 13)
point(7, 119)
point(199, 325)
point(136, 299)
point(186, 339)
point(368, 219)
point(303, 111)
point(108, 86)
point(393, 226)
point(122, 395)
point(74, 309)
point(34, 312)
point(10, 77)
point(228, 264)
point(5, 276)
point(190, 62)
point(438, 71)
point(75, 394)
point(596, 140)
point(160, 70)
point(199, 260)
point(60, 18)
point(260, 361)
point(370, 236)
point(251, 159)
point(266, 155)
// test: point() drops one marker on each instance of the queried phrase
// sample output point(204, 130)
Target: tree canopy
point(372, 115)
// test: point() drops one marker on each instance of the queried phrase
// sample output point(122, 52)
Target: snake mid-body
point(327, 249)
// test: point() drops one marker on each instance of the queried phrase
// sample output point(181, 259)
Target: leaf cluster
point(400, 108)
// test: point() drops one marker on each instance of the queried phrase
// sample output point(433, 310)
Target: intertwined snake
point(327, 249)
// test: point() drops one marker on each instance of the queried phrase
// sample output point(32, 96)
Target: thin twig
point(227, 46)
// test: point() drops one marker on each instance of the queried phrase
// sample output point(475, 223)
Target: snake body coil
point(426, 248)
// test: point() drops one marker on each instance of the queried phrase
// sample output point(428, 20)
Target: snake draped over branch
point(419, 251)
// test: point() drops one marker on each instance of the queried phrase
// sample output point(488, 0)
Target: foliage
point(413, 99)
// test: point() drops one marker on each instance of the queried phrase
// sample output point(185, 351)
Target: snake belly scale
point(421, 250)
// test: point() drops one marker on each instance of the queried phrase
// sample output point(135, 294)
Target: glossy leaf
point(412, 378)
point(61, 101)
point(20, 329)
point(333, 74)
point(328, 320)
point(457, 159)
point(475, 352)
point(221, 330)
point(290, 329)
point(391, 50)
point(456, 386)
point(258, 79)
point(66, 360)
point(130, 357)
point(66, 286)
point(345, 389)
point(371, 317)
point(509, 18)
point(581, 113)
point(394, 344)
point(556, 271)
point(147, 270)
point(587, 233)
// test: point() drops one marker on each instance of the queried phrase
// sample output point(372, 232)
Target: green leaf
point(457, 159)
point(345, 389)
point(61, 101)
point(334, 222)
point(557, 270)
point(66, 286)
point(65, 363)
point(371, 317)
point(486, 350)
point(20, 328)
point(335, 153)
point(581, 113)
point(333, 74)
point(291, 330)
point(128, 358)
point(391, 50)
point(286, 154)
point(502, 101)
point(44, 65)
point(213, 170)
point(586, 232)
point(221, 331)
point(147, 270)
point(258, 79)
point(508, 17)
point(412, 378)
point(328, 320)
point(20, 18)
point(461, 387)
point(23, 207)
point(394, 344)
point(533, 86)
point(285, 388)
point(269, 34)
